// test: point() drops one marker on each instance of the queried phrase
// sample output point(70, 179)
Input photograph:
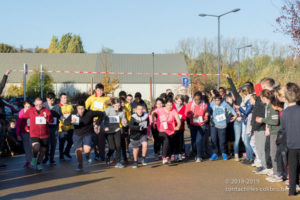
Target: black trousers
point(294, 164)
point(166, 144)
point(114, 144)
point(177, 142)
point(157, 140)
point(124, 140)
point(99, 143)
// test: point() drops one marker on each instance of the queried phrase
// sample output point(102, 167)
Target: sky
point(136, 26)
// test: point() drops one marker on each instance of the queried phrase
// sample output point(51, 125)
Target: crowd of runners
point(257, 125)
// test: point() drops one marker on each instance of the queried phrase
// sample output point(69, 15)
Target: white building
point(73, 83)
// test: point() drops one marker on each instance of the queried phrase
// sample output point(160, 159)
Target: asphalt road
point(187, 180)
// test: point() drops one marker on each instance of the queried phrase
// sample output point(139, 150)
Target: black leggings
point(166, 142)
point(114, 144)
point(157, 140)
point(179, 142)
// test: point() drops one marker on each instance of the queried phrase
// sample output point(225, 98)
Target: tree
point(53, 47)
point(64, 42)
point(33, 85)
point(40, 50)
point(110, 83)
point(75, 45)
point(289, 21)
point(5, 48)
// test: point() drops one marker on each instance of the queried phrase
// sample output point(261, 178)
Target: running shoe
point(135, 165)
point(68, 155)
point(39, 167)
point(89, 161)
point(79, 168)
point(144, 162)
point(274, 179)
point(213, 157)
point(224, 156)
point(119, 165)
point(165, 161)
point(198, 160)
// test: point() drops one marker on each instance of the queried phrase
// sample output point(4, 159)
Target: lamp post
point(219, 48)
point(238, 50)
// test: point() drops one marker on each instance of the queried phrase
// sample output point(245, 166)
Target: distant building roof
point(172, 63)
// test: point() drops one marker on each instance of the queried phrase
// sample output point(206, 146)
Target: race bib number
point(220, 118)
point(76, 119)
point(98, 105)
point(114, 119)
point(28, 122)
point(54, 121)
point(180, 116)
point(198, 119)
point(165, 125)
point(40, 120)
point(66, 116)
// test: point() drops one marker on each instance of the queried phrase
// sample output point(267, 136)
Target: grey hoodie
point(113, 119)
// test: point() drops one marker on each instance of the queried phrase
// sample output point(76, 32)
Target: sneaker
point(270, 173)
point(179, 157)
point(183, 156)
point(214, 157)
point(79, 168)
point(263, 172)
point(135, 165)
point(176, 158)
point(173, 157)
point(45, 160)
point(89, 161)
point(68, 155)
point(274, 179)
point(198, 160)
point(144, 162)
point(247, 162)
point(33, 162)
point(39, 167)
point(287, 182)
point(258, 169)
point(225, 157)
point(236, 157)
point(27, 165)
point(119, 165)
point(107, 161)
point(165, 161)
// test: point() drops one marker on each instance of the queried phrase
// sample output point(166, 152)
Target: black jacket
point(259, 110)
point(2, 108)
point(138, 126)
point(85, 126)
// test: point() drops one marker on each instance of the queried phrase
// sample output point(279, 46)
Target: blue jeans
point(246, 140)
point(215, 134)
point(52, 143)
point(237, 126)
point(197, 135)
point(65, 137)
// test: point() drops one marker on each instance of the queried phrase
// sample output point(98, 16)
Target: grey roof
point(172, 63)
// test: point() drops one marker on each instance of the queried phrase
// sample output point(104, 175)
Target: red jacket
point(181, 114)
point(200, 110)
point(38, 130)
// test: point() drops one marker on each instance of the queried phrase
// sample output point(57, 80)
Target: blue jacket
point(218, 112)
point(245, 112)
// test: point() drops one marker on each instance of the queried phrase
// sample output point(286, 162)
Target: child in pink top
point(165, 123)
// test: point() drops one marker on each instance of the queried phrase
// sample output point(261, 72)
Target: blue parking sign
point(185, 81)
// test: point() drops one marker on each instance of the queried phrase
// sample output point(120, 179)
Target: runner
point(65, 132)
point(138, 134)
point(114, 117)
point(83, 120)
point(165, 123)
point(22, 131)
point(178, 149)
point(218, 126)
point(56, 114)
point(97, 102)
point(197, 116)
point(40, 118)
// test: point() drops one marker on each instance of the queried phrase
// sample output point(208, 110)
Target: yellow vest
point(66, 110)
point(96, 103)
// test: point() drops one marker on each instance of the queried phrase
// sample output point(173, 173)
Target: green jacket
point(272, 120)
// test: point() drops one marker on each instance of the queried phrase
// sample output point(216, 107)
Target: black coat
point(2, 108)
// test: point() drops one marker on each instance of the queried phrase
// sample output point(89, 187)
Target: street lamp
point(219, 51)
point(238, 50)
